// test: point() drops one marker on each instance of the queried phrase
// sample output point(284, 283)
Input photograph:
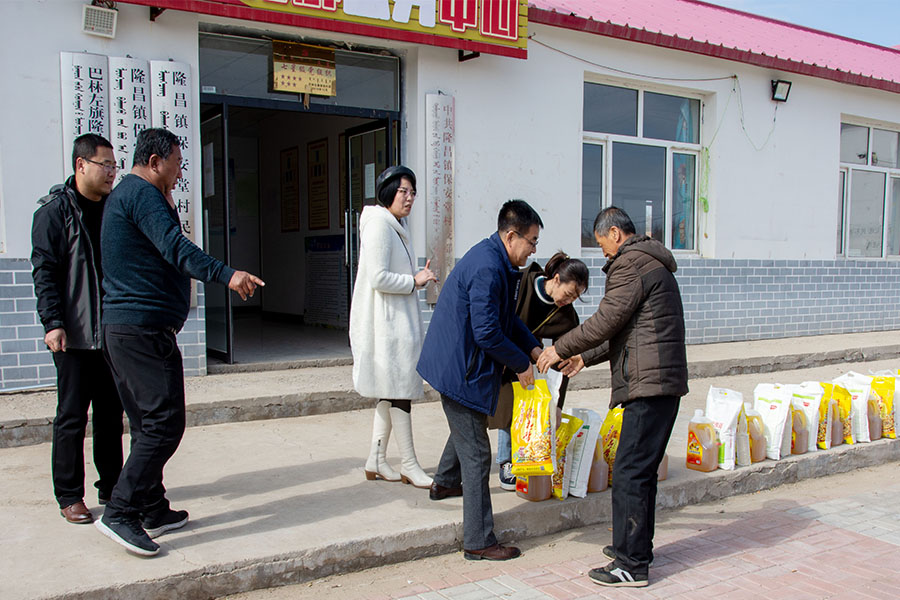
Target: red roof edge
point(781, 23)
point(556, 19)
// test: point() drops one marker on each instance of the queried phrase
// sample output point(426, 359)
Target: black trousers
point(466, 461)
point(646, 426)
point(146, 365)
point(83, 380)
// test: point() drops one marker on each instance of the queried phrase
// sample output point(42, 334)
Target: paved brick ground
point(845, 547)
point(831, 538)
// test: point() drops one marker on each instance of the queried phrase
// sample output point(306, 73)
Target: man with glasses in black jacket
point(67, 273)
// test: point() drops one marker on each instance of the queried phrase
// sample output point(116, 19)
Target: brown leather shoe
point(77, 513)
point(439, 492)
point(495, 552)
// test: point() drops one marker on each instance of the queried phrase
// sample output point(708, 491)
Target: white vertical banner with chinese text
point(129, 107)
point(440, 126)
point(84, 85)
point(170, 84)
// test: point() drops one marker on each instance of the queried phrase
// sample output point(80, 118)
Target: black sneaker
point(614, 576)
point(127, 531)
point(167, 521)
point(507, 479)
point(103, 498)
point(609, 553)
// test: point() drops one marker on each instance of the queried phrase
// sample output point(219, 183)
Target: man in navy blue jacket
point(147, 269)
point(473, 335)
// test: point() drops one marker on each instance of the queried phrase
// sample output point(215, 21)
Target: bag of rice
point(582, 453)
point(609, 432)
point(773, 403)
point(859, 386)
point(826, 414)
point(723, 407)
point(565, 439)
point(885, 388)
point(533, 431)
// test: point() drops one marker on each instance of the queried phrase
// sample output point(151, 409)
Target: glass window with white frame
point(869, 192)
point(640, 152)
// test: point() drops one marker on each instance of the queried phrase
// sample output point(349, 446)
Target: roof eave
point(574, 22)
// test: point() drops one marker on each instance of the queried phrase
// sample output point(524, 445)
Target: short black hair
point(86, 145)
point(388, 192)
point(518, 216)
point(613, 216)
point(156, 141)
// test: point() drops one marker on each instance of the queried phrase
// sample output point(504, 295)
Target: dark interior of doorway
point(275, 326)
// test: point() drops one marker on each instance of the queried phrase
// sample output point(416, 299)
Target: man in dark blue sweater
point(147, 266)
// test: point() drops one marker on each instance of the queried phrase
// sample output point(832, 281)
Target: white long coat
point(386, 330)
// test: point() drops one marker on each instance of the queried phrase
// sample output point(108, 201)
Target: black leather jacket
point(65, 278)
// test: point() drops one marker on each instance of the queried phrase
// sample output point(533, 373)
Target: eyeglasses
point(406, 192)
point(109, 167)
point(533, 243)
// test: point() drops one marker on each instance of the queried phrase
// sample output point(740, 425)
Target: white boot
point(376, 465)
point(410, 471)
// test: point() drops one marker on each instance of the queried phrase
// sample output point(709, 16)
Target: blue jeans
point(504, 446)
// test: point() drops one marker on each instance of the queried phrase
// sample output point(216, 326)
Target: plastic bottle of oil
point(799, 432)
point(875, 424)
point(599, 479)
point(837, 426)
point(702, 452)
point(757, 431)
point(534, 487)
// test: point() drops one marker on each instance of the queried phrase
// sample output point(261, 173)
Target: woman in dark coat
point(545, 306)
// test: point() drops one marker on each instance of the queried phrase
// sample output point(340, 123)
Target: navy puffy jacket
point(474, 331)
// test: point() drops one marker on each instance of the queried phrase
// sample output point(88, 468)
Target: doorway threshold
point(216, 367)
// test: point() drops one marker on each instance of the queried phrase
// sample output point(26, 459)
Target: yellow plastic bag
point(845, 403)
point(532, 432)
point(609, 431)
point(885, 387)
point(562, 470)
point(823, 437)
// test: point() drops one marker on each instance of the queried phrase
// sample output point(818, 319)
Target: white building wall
point(519, 135)
point(772, 198)
point(33, 34)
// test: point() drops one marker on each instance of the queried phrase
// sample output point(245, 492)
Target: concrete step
point(285, 500)
point(27, 417)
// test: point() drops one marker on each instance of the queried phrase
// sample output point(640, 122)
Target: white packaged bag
point(582, 453)
point(773, 403)
point(806, 397)
point(723, 407)
point(859, 386)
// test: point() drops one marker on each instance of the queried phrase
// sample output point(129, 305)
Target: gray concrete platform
point(285, 500)
point(26, 417)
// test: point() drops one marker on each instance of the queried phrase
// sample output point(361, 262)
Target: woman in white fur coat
point(386, 330)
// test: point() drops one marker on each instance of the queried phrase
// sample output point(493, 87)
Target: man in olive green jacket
point(639, 328)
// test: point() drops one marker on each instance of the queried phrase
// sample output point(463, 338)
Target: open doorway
point(283, 185)
point(284, 175)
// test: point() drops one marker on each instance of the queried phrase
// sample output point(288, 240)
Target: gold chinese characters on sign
point(303, 69)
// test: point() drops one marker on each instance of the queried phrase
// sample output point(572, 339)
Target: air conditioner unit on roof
point(99, 21)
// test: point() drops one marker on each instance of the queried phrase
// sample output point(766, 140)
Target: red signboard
point(489, 26)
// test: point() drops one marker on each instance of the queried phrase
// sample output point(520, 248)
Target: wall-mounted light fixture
point(780, 90)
